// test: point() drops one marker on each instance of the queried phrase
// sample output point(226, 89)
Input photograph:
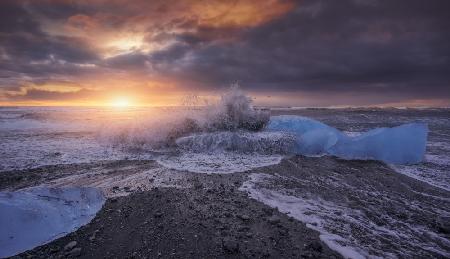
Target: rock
point(94, 235)
point(158, 214)
point(230, 246)
point(268, 211)
point(243, 217)
point(339, 213)
point(265, 253)
point(314, 246)
point(198, 185)
point(243, 229)
point(70, 245)
point(444, 225)
point(274, 220)
point(54, 250)
point(75, 252)
point(283, 232)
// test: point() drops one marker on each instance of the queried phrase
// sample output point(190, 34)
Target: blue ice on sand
point(33, 217)
point(404, 144)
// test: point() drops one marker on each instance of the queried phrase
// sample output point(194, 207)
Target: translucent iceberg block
point(37, 216)
point(404, 144)
point(313, 137)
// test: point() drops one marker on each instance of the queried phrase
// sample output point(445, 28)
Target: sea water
point(228, 137)
point(37, 136)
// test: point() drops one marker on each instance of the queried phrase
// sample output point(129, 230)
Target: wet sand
point(173, 214)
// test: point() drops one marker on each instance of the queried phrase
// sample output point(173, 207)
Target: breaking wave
point(241, 141)
point(234, 112)
point(234, 125)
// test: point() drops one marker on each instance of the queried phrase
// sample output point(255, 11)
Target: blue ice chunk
point(35, 216)
point(404, 144)
point(313, 137)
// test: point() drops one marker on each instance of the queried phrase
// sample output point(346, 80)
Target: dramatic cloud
point(361, 52)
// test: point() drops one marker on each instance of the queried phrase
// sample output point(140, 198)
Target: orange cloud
point(239, 13)
point(118, 27)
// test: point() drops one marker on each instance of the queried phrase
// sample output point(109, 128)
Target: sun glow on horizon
point(121, 102)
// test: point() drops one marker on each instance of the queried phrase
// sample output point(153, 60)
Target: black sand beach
point(212, 216)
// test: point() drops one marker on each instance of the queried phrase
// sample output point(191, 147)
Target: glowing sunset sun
point(120, 102)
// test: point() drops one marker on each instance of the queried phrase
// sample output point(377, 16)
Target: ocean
point(37, 136)
point(361, 209)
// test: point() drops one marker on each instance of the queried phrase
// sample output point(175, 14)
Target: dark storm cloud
point(22, 37)
point(397, 47)
point(45, 95)
point(130, 62)
point(31, 48)
point(390, 46)
point(30, 54)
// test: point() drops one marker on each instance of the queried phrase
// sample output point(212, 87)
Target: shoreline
point(201, 215)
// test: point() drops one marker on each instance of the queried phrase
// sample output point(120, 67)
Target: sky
point(284, 53)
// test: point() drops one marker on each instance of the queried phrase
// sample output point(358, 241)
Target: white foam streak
point(348, 230)
point(217, 163)
point(305, 211)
